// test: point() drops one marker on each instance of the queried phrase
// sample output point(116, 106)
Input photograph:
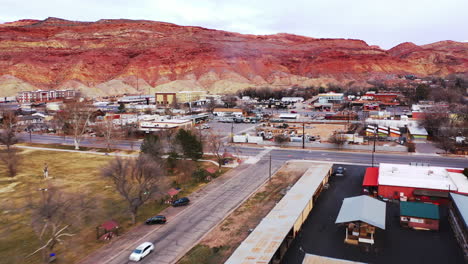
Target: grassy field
point(72, 173)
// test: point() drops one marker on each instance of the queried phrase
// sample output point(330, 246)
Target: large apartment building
point(44, 95)
point(182, 97)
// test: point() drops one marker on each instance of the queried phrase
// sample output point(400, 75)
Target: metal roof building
point(315, 259)
point(267, 243)
point(362, 208)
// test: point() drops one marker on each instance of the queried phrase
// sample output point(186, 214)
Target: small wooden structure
point(361, 215)
point(107, 230)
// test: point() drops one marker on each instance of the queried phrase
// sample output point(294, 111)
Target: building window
point(416, 220)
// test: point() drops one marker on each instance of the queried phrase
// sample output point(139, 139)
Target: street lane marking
point(253, 160)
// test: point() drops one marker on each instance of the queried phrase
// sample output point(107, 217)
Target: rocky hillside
point(130, 56)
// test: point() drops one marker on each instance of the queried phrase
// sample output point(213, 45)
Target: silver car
point(141, 251)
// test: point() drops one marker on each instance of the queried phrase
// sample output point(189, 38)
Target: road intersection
point(212, 203)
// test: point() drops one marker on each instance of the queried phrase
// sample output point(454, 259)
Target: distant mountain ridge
point(115, 56)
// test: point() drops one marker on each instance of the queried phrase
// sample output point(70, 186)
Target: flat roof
point(288, 115)
point(417, 130)
point(261, 245)
point(316, 259)
point(428, 177)
point(227, 110)
point(461, 201)
point(362, 208)
point(421, 210)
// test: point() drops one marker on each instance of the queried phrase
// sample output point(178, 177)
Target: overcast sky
point(379, 22)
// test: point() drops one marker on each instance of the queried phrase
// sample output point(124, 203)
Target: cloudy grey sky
point(379, 22)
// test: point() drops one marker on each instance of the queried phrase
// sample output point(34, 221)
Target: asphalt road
point(188, 225)
point(283, 154)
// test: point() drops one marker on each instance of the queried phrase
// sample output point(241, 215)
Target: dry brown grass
point(72, 173)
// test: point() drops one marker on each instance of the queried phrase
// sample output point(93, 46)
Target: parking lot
point(225, 128)
point(321, 236)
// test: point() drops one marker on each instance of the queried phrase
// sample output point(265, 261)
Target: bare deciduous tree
point(109, 132)
point(281, 139)
point(9, 156)
point(337, 139)
point(76, 118)
point(51, 220)
point(11, 159)
point(135, 179)
point(216, 145)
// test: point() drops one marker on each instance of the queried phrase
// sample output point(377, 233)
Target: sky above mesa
point(378, 22)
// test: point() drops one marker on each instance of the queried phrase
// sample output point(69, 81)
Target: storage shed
point(361, 214)
point(420, 216)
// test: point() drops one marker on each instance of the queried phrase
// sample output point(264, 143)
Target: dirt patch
point(219, 244)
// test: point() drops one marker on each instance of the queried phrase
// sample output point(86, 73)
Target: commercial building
point(169, 98)
point(269, 241)
point(292, 99)
point(418, 132)
point(164, 124)
point(361, 215)
point(316, 259)
point(236, 112)
point(420, 216)
point(335, 98)
point(458, 218)
point(137, 99)
point(165, 98)
point(419, 183)
point(45, 95)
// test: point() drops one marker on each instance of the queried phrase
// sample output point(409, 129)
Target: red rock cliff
point(117, 56)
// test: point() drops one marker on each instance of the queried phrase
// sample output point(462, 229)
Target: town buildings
point(420, 216)
point(45, 95)
point(170, 98)
point(416, 183)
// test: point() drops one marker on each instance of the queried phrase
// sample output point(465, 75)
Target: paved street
point(188, 225)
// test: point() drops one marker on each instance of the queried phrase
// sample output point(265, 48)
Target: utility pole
point(232, 131)
point(270, 169)
point(303, 135)
point(373, 150)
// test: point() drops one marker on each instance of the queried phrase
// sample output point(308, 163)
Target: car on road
point(141, 251)
point(159, 219)
point(180, 202)
point(340, 171)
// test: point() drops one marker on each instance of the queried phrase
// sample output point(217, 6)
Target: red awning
point(173, 191)
point(371, 177)
point(211, 170)
point(109, 225)
point(455, 170)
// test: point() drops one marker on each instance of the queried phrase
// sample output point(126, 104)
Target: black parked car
point(159, 219)
point(181, 201)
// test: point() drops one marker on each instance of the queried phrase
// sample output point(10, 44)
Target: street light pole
point(303, 135)
point(373, 150)
point(270, 169)
point(232, 131)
